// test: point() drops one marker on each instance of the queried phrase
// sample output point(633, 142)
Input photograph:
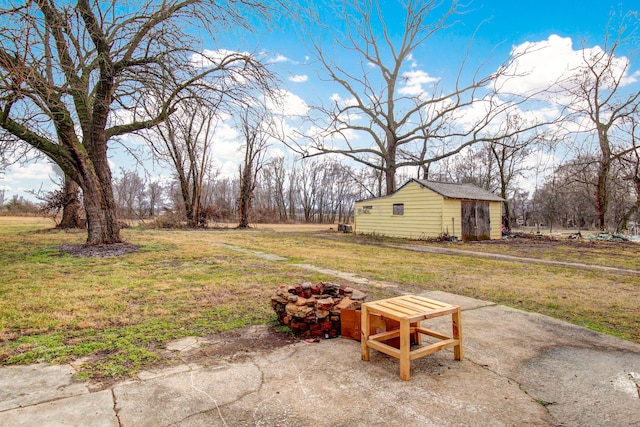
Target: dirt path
point(435, 250)
point(341, 274)
point(447, 251)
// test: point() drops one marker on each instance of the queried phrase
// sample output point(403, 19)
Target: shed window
point(398, 209)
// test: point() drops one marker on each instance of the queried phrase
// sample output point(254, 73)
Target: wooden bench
point(410, 310)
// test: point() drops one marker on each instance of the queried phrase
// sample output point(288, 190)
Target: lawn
point(117, 312)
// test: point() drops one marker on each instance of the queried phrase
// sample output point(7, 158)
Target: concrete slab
point(520, 369)
point(33, 384)
point(326, 384)
point(186, 344)
point(87, 410)
point(171, 399)
point(582, 377)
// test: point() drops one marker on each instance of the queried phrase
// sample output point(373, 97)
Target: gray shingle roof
point(459, 191)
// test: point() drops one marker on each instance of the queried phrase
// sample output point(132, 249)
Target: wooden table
point(410, 310)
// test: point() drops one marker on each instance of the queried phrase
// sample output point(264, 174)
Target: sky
point(490, 30)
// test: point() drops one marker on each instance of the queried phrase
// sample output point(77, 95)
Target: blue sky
point(498, 25)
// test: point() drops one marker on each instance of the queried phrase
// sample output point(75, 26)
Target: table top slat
point(390, 307)
point(416, 306)
point(408, 306)
point(431, 301)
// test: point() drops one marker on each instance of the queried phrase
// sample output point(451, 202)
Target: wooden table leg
point(405, 348)
point(456, 320)
point(417, 336)
point(364, 332)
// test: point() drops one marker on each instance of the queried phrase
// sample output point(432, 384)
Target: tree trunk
point(71, 205)
point(602, 198)
point(507, 209)
point(244, 204)
point(602, 195)
point(390, 166)
point(100, 208)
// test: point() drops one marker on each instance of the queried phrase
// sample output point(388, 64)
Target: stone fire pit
point(313, 310)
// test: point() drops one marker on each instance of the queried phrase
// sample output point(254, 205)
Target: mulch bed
point(114, 249)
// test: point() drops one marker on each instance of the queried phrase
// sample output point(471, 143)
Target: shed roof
point(458, 191)
point(450, 190)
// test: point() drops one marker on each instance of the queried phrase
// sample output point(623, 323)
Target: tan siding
point(496, 219)
point(451, 217)
point(421, 217)
point(426, 215)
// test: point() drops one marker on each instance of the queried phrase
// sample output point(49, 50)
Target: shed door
point(476, 221)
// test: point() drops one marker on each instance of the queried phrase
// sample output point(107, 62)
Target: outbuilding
point(423, 209)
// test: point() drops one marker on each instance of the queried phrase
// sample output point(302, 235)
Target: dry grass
point(119, 310)
point(56, 307)
point(610, 254)
point(601, 300)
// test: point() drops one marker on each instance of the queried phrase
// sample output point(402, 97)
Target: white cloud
point(279, 58)
point(30, 171)
point(287, 104)
point(413, 62)
point(226, 169)
point(537, 166)
point(208, 58)
point(414, 81)
point(633, 78)
point(299, 78)
point(538, 65)
point(350, 115)
point(329, 139)
point(20, 179)
point(276, 152)
point(549, 67)
point(343, 102)
point(227, 148)
point(224, 132)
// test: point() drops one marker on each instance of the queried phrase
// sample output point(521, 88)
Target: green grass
point(117, 313)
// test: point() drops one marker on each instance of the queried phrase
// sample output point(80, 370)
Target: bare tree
point(254, 124)
point(474, 165)
point(509, 157)
point(573, 184)
point(185, 141)
point(277, 172)
point(293, 192)
point(156, 192)
point(551, 202)
point(630, 164)
point(397, 121)
point(308, 184)
point(130, 192)
point(73, 78)
point(519, 204)
point(599, 95)
point(495, 165)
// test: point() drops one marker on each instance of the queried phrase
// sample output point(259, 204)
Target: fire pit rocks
point(313, 310)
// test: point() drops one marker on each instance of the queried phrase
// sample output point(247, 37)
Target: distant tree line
point(17, 205)
point(310, 191)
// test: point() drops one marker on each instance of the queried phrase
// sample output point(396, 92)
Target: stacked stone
point(313, 310)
